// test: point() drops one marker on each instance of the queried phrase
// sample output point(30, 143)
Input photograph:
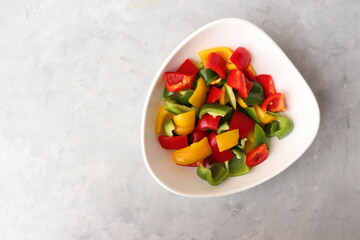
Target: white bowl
point(267, 58)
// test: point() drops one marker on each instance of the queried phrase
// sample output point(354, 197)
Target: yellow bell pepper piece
point(184, 123)
point(262, 115)
point(227, 139)
point(240, 101)
point(199, 96)
point(160, 119)
point(251, 136)
point(251, 69)
point(224, 52)
point(223, 99)
point(193, 153)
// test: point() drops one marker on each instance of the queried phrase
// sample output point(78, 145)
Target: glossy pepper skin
point(267, 83)
point(224, 52)
point(262, 115)
point(193, 153)
point(197, 135)
point(241, 58)
point(237, 80)
point(274, 103)
point(214, 95)
point(242, 122)
point(160, 119)
point(174, 143)
point(285, 126)
point(227, 139)
point(208, 75)
point(215, 175)
point(184, 123)
point(209, 122)
point(187, 67)
point(198, 98)
point(256, 94)
point(216, 63)
point(177, 81)
point(214, 109)
point(218, 156)
point(250, 73)
point(259, 136)
point(257, 156)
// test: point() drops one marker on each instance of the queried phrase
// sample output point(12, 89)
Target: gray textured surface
point(73, 76)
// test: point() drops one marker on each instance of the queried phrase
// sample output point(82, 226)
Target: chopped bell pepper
point(286, 126)
point(237, 166)
point(184, 97)
point(274, 103)
point(208, 75)
point(174, 143)
point(177, 81)
point(216, 155)
point(267, 82)
point(227, 139)
point(271, 128)
point(223, 128)
point(177, 108)
point(160, 119)
point(209, 122)
point(169, 127)
point(223, 98)
point(242, 122)
point(237, 80)
point(197, 135)
point(257, 155)
point(250, 73)
point(215, 175)
point(214, 109)
point(242, 143)
point(256, 95)
point(198, 98)
point(193, 153)
point(216, 63)
point(231, 96)
point(216, 81)
point(241, 58)
point(240, 101)
point(248, 146)
point(262, 115)
point(184, 123)
point(167, 93)
point(214, 95)
point(224, 52)
point(259, 136)
point(252, 113)
point(187, 67)
point(251, 136)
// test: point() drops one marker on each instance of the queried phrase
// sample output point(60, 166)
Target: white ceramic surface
point(268, 58)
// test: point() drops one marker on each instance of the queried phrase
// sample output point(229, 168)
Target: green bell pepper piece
point(177, 108)
point(256, 95)
point(223, 128)
point(270, 129)
point(169, 126)
point(286, 125)
point(231, 96)
point(252, 113)
point(208, 75)
point(214, 109)
point(237, 166)
point(241, 144)
point(184, 99)
point(259, 136)
point(216, 174)
point(167, 93)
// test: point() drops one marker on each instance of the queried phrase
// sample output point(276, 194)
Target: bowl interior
point(267, 58)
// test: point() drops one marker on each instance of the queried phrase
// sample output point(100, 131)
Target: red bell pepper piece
point(203, 162)
point(177, 81)
point(197, 135)
point(249, 74)
point(257, 155)
point(216, 63)
point(274, 103)
point(242, 122)
point(175, 143)
point(267, 82)
point(218, 156)
point(237, 81)
point(241, 58)
point(187, 67)
point(214, 95)
point(209, 122)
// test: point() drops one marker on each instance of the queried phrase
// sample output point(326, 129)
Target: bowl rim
point(152, 86)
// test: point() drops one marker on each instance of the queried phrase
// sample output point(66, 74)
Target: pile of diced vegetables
point(218, 114)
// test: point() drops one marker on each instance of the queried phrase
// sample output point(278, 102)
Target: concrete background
point(73, 79)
